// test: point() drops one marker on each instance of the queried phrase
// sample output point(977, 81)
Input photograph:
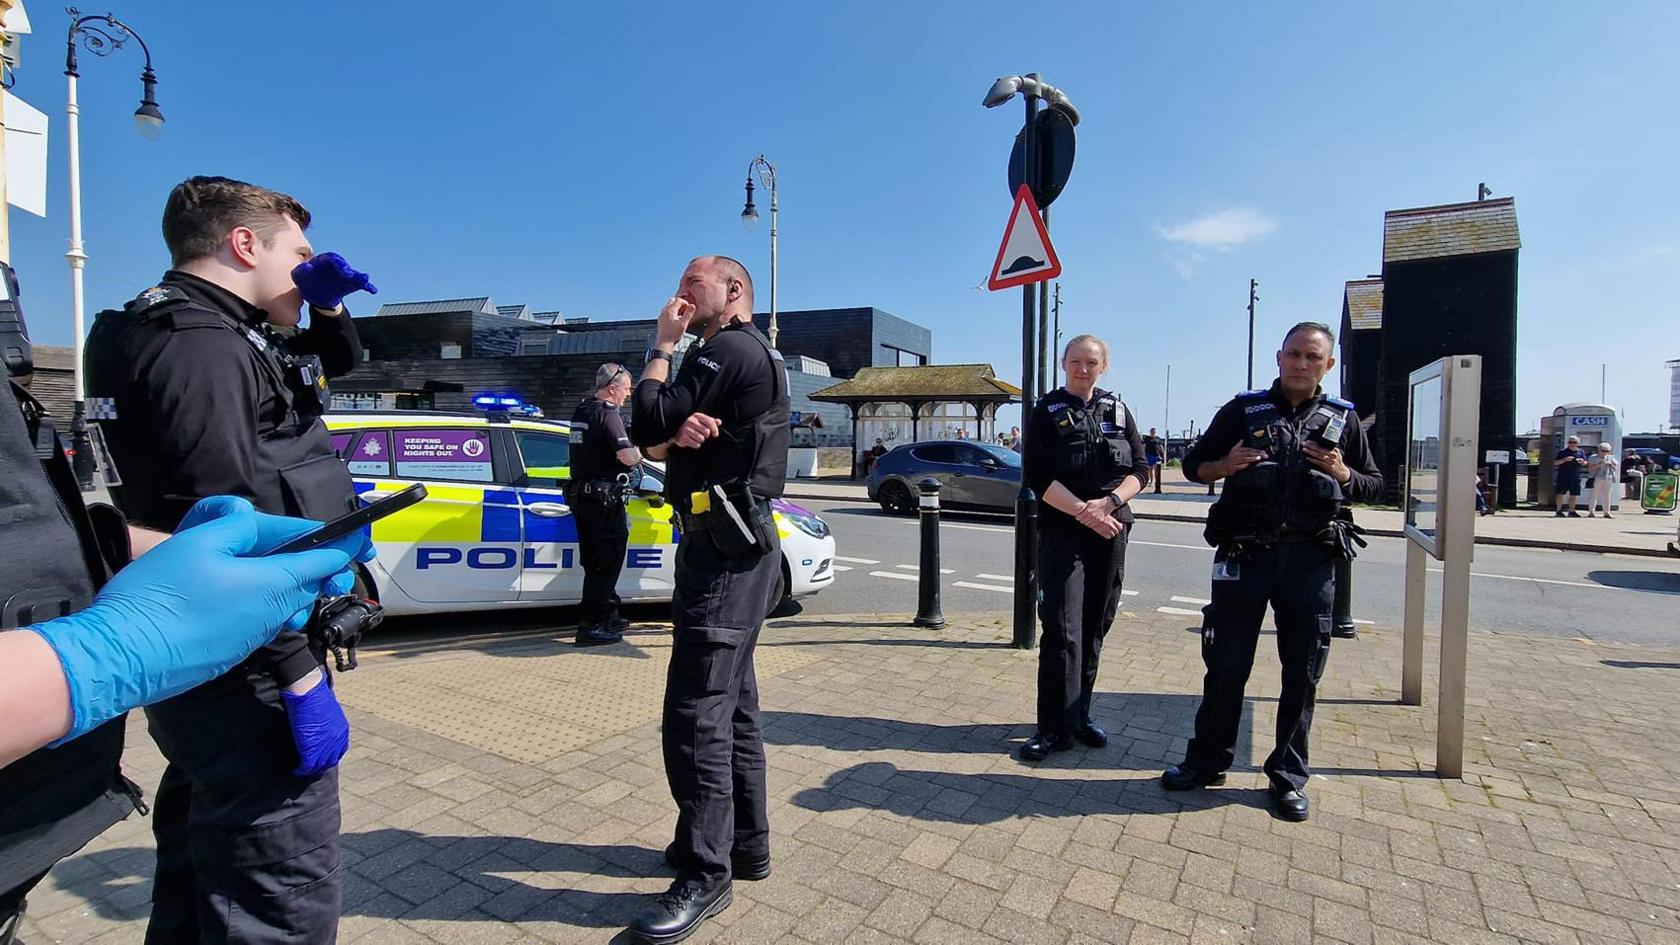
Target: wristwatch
point(654, 354)
point(1116, 501)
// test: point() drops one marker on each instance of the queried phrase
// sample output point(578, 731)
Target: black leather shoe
point(616, 624)
point(1289, 805)
point(1345, 631)
point(743, 867)
point(678, 912)
point(597, 635)
point(1092, 734)
point(1039, 747)
point(1185, 778)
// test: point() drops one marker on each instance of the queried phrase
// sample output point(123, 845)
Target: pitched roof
point(927, 382)
point(1456, 229)
point(522, 312)
point(479, 304)
point(1362, 301)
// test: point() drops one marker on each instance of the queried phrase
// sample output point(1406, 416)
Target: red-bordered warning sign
point(1026, 255)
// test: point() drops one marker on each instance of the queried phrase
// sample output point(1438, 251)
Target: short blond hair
point(1087, 339)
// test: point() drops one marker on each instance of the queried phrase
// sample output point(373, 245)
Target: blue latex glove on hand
point(326, 279)
point(190, 609)
point(319, 729)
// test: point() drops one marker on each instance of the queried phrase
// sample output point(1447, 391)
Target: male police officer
point(192, 609)
point(723, 423)
point(198, 396)
point(1292, 458)
point(601, 454)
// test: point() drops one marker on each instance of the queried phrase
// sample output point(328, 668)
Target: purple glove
point(326, 279)
point(319, 729)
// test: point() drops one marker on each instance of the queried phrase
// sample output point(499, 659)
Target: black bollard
point(927, 598)
point(1341, 623)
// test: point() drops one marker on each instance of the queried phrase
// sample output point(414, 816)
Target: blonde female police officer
point(1085, 460)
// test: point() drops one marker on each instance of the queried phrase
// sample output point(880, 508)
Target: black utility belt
point(602, 490)
point(739, 522)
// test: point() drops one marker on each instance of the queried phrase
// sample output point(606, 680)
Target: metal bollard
point(927, 598)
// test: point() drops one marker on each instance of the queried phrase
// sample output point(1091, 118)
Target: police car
point(495, 529)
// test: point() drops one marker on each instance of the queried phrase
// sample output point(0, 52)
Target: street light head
point(749, 213)
point(1002, 91)
point(148, 118)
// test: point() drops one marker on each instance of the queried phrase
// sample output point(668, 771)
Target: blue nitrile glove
point(319, 729)
point(191, 608)
point(326, 279)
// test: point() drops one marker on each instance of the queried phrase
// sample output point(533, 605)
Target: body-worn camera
point(338, 625)
point(306, 379)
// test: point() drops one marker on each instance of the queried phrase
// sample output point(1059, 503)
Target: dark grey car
point(971, 476)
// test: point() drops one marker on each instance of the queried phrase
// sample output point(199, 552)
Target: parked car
point(982, 476)
point(495, 529)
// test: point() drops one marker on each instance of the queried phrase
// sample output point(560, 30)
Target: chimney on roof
point(1483, 192)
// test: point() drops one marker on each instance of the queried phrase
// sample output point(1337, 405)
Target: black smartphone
point(345, 524)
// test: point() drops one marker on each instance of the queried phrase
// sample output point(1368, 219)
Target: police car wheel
point(896, 499)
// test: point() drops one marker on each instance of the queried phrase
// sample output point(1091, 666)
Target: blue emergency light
point(493, 401)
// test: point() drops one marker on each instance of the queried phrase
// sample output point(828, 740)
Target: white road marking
point(995, 577)
point(1368, 623)
point(984, 587)
point(1192, 600)
point(917, 567)
point(895, 575)
point(1130, 593)
point(1535, 580)
point(1164, 544)
point(1179, 611)
point(842, 567)
point(856, 560)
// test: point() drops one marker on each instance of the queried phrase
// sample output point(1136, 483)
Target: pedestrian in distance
point(1085, 460)
point(1603, 468)
point(1152, 453)
point(1571, 465)
point(199, 392)
point(722, 424)
point(1292, 458)
point(602, 460)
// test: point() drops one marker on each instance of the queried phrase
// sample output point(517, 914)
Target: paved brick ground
point(480, 808)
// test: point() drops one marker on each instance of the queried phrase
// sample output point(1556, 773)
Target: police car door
point(650, 562)
point(462, 544)
point(551, 569)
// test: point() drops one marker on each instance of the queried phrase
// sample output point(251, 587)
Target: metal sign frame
point(1452, 541)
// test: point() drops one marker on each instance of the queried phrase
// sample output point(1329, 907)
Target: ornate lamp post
point(749, 219)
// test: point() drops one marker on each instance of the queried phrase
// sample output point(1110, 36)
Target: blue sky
point(574, 157)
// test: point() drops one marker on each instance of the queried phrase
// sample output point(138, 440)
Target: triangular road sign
point(1026, 255)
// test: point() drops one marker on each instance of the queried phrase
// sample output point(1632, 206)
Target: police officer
point(1085, 460)
point(199, 394)
point(723, 425)
point(601, 459)
point(1292, 459)
point(192, 608)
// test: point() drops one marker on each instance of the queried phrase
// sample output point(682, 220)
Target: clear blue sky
point(572, 156)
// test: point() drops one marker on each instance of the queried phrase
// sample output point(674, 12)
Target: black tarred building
point(1448, 286)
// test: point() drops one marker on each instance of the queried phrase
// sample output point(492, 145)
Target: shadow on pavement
point(1638, 664)
point(1661, 582)
point(391, 874)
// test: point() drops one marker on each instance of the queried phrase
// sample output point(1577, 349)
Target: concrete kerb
point(1377, 532)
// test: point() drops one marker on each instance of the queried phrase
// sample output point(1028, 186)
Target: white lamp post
point(102, 34)
point(749, 219)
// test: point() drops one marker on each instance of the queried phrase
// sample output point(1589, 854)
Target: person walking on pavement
point(1085, 460)
point(1292, 458)
point(723, 425)
point(1603, 469)
point(198, 395)
point(1152, 454)
point(602, 460)
point(1570, 463)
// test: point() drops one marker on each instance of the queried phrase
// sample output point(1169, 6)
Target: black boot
point(1182, 777)
point(597, 635)
point(680, 910)
point(1040, 746)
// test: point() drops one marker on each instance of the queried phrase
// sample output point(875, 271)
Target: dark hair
point(733, 269)
point(1329, 335)
point(201, 211)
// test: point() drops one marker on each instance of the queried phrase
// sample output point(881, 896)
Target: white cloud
point(1221, 230)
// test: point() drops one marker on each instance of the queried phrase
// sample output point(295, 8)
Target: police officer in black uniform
point(188, 612)
point(723, 425)
point(1085, 460)
point(602, 460)
point(1292, 459)
point(198, 394)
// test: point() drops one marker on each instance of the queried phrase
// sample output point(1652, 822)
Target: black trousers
point(1079, 573)
point(1297, 579)
point(249, 862)
point(603, 535)
point(714, 746)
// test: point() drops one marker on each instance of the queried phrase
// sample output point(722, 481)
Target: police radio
point(1330, 435)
